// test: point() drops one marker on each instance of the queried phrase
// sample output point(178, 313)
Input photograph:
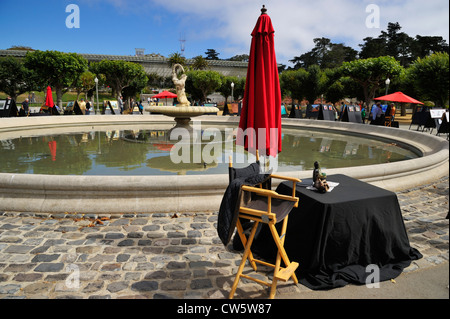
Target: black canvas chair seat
point(281, 208)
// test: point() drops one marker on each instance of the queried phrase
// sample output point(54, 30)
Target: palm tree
point(200, 63)
point(176, 58)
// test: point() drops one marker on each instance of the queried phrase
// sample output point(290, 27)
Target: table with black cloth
point(336, 235)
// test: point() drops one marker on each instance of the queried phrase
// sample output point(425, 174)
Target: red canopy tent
point(165, 95)
point(398, 97)
point(260, 121)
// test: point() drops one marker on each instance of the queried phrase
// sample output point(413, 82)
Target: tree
point(333, 87)
point(325, 54)
point(371, 73)
point(120, 74)
point(240, 57)
point(211, 54)
point(292, 83)
point(391, 42)
point(425, 46)
point(21, 48)
point(204, 82)
point(15, 78)
point(200, 63)
point(302, 83)
point(58, 69)
point(312, 83)
point(154, 80)
point(176, 58)
point(372, 48)
point(84, 83)
point(401, 46)
point(225, 87)
point(239, 87)
point(430, 77)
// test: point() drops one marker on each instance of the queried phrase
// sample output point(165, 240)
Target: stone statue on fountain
point(179, 85)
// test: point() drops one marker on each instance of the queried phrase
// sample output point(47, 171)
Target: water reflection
point(148, 152)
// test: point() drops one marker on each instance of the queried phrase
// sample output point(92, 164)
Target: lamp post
point(387, 82)
point(96, 90)
point(232, 88)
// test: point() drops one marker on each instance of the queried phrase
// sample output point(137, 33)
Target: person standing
point(393, 110)
point(363, 113)
point(88, 107)
point(120, 102)
point(25, 107)
point(376, 115)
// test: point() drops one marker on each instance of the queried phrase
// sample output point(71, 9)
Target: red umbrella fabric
point(165, 95)
point(398, 97)
point(163, 147)
point(260, 121)
point(49, 97)
point(52, 147)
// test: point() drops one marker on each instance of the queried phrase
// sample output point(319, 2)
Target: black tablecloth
point(335, 236)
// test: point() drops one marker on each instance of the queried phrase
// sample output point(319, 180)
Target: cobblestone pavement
point(164, 255)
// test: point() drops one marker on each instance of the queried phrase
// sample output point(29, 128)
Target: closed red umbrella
point(52, 147)
point(49, 97)
point(398, 97)
point(260, 122)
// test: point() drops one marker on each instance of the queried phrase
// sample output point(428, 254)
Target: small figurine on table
point(320, 179)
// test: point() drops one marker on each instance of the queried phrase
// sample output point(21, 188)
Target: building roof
point(154, 64)
point(133, 58)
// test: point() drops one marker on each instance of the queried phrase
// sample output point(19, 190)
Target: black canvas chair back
point(251, 170)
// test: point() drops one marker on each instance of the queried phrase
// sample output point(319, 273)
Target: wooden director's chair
point(388, 120)
point(268, 207)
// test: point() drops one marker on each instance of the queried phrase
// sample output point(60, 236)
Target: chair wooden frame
point(388, 121)
point(269, 218)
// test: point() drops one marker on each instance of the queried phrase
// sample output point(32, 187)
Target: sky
point(117, 27)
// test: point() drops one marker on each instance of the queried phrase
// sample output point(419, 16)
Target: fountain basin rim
point(182, 111)
point(147, 194)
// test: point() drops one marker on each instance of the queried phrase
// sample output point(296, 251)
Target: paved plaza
point(166, 255)
point(179, 256)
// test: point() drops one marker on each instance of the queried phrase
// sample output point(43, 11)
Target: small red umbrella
point(49, 97)
point(261, 107)
point(398, 97)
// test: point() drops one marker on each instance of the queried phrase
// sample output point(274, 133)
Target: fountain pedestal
point(183, 112)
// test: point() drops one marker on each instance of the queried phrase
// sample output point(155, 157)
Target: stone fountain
point(183, 111)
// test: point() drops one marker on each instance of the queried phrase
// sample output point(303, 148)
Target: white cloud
point(297, 23)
